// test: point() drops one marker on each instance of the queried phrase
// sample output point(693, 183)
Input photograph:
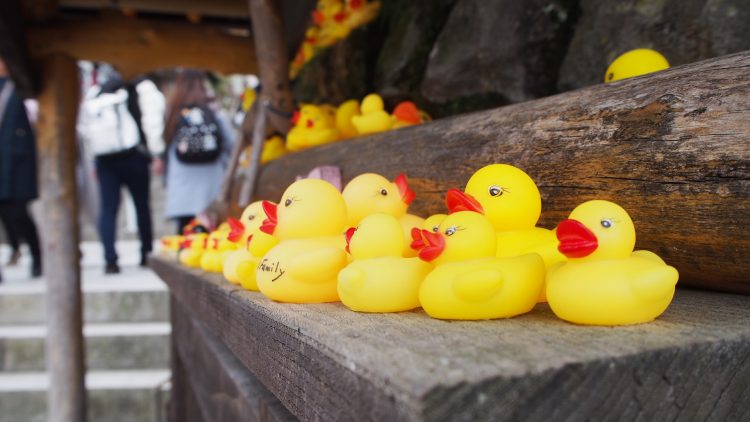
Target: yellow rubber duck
point(469, 282)
point(604, 282)
point(193, 248)
point(241, 266)
point(371, 193)
point(171, 243)
point(374, 119)
point(309, 224)
point(344, 114)
point(406, 114)
point(330, 16)
point(214, 254)
point(313, 126)
point(432, 223)
point(511, 201)
point(360, 12)
point(640, 61)
point(380, 279)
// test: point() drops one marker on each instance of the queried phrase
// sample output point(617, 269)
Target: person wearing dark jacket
point(18, 169)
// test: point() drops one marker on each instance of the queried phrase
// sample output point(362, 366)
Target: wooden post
point(58, 107)
point(258, 138)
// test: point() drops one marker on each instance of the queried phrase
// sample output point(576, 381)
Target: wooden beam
point(325, 362)
point(671, 148)
point(217, 8)
point(136, 46)
point(58, 107)
point(13, 48)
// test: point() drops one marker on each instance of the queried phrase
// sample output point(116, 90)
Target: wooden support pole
point(258, 138)
point(58, 107)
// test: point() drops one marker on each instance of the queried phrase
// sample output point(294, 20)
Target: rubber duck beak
point(318, 17)
point(349, 234)
point(186, 244)
point(407, 111)
point(339, 17)
point(576, 240)
point(462, 201)
point(269, 224)
point(310, 123)
point(237, 229)
point(407, 195)
point(434, 246)
point(295, 117)
point(417, 242)
point(249, 239)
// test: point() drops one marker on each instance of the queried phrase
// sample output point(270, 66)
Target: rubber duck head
point(372, 103)
point(504, 193)
point(314, 117)
point(640, 61)
point(378, 235)
point(248, 224)
point(461, 236)
point(308, 208)
point(597, 230)
point(371, 193)
point(432, 223)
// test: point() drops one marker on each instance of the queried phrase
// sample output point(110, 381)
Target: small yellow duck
point(330, 16)
point(192, 249)
point(217, 246)
point(171, 243)
point(640, 61)
point(371, 193)
point(469, 282)
point(250, 220)
point(344, 114)
point(380, 279)
point(309, 224)
point(374, 119)
point(360, 12)
point(314, 126)
point(406, 114)
point(604, 282)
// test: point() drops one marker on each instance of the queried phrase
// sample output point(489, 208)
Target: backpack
point(106, 123)
point(197, 137)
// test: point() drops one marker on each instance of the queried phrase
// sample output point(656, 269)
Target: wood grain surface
point(325, 362)
point(672, 148)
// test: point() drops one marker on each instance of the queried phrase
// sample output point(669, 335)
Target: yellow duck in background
point(309, 224)
point(469, 282)
point(406, 114)
point(213, 256)
point(360, 12)
point(241, 266)
point(314, 126)
point(344, 114)
point(193, 248)
point(371, 193)
point(380, 279)
point(604, 282)
point(171, 243)
point(373, 119)
point(640, 61)
point(330, 16)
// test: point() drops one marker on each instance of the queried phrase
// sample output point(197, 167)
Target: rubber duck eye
point(383, 192)
point(450, 231)
point(250, 218)
point(610, 76)
point(606, 223)
point(288, 202)
point(435, 229)
point(495, 191)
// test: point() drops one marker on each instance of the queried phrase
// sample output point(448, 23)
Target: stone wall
point(455, 56)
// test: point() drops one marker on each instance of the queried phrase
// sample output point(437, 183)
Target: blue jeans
point(131, 169)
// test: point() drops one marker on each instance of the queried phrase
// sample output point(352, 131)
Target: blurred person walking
point(199, 141)
point(18, 172)
point(122, 127)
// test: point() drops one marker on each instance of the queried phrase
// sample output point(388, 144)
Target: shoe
point(144, 259)
point(111, 268)
point(15, 256)
point(36, 269)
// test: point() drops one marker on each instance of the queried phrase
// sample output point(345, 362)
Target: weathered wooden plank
point(672, 148)
point(13, 48)
point(58, 106)
point(327, 363)
point(135, 45)
point(224, 389)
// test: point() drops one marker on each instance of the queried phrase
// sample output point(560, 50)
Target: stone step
point(108, 346)
point(132, 297)
point(123, 396)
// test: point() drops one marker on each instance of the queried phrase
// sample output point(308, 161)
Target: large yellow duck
point(309, 224)
point(511, 201)
point(371, 193)
point(469, 282)
point(374, 118)
point(380, 279)
point(314, 126)
point(604, 282)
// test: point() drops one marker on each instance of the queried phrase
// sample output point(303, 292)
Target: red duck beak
point(407, 195)
point(576, 240)
point(309, 124)
point(318, 17)
point(434, 246)
point(269, 224)
point(186, 243)
point(406, 111)
point(355, 4)
point(417, 242)
point(349, 234)
point(238, 229)
point(247, 244)
point(461, 201)
point(295, 117)
point(339, 17)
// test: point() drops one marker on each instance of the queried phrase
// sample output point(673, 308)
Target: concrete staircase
point(127, 341)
